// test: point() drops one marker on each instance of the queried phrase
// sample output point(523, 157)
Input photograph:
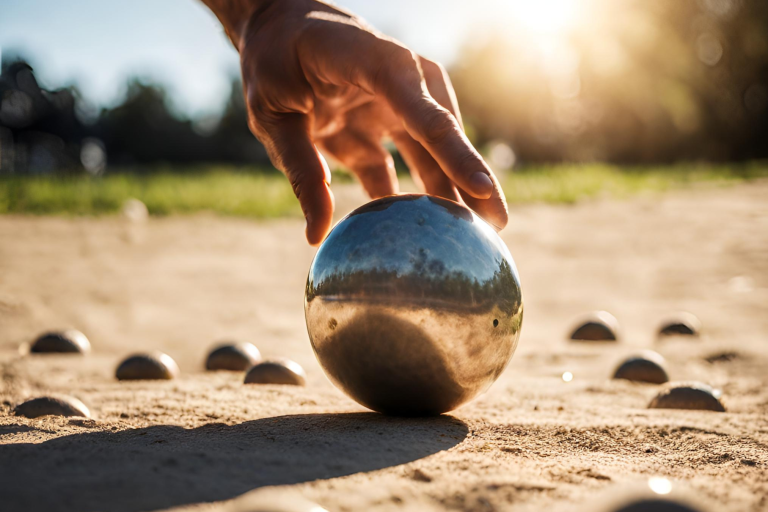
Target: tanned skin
point(315, 76)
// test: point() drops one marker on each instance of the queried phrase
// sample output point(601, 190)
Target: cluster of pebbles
point(648, 366)
point(236, 357)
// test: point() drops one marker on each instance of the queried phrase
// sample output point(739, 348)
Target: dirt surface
point(533, 442)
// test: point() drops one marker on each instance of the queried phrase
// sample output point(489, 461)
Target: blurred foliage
point(144, 130)
point(633, 82)
point(637, 81)
point(258, 193)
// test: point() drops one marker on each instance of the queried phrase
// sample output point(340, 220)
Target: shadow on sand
point(164, 466)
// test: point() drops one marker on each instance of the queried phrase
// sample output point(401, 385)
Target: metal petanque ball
point(69, 341)
point(150, 366)
point(413, 305)
point(597, 326)
point(52, 406)
point(682, 324)
point(647, 367)
point(237, 357)
point(688, 395)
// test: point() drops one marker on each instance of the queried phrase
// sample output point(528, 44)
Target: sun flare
point(545, 17)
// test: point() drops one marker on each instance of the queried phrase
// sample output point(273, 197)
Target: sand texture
point(533, 442)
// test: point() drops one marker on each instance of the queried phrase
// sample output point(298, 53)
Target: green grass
point(255, 194)
point(221, 190)
point(569, 183)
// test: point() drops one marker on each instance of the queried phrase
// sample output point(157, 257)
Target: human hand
point(315, 76)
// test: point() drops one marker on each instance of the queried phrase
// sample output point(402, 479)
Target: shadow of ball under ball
point(153, 366)
point(689, 396)
point(236, 357)
point(52, 406)
point(61, 342)
point(277, 371)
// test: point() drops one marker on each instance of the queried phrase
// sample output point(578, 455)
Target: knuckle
point(432, 69)
point(398, 61)
point(438, 126)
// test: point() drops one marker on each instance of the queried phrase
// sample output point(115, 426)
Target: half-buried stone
point(69, 341)
point(597, 326)
point(151, 366)
point(688, 395)
point(236, 357)
point(52, 406)
point(648, 367)
point(277, 371)
point(682, 324)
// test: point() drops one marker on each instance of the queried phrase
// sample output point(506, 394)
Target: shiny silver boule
point(413, 305)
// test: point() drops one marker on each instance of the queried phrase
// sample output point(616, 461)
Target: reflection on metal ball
point(413, 305)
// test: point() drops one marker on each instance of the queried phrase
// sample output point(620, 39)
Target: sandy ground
point(533, 442)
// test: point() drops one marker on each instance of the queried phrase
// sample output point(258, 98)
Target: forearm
point(234, 15)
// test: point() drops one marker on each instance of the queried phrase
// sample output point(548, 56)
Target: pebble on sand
point(69, 341)
point(598, 326)
point(233, 356)
point(277, 371)
point(648, 367)
point(682, 324)
point(152, 366)
point(688, 395)
point(52, 406)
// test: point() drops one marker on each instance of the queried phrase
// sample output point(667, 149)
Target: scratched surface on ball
point(413, 305)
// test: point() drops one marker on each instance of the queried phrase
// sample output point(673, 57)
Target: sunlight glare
point(660, 485)
point(545, 17)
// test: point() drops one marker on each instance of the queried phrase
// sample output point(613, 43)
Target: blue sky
point(97, 44)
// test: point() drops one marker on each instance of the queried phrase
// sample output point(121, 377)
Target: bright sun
point(544, 17)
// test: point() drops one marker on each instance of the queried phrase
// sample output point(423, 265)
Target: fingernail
point(481, 184)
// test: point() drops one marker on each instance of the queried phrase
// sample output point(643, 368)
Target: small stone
point(277, 371)
point(655, 505)
point(692, 396)
point(682, 324)
point(234, 357)
point(152, 366)
point(598, 326)
point(52, 406)
point(69, 341)
point(647, 366)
